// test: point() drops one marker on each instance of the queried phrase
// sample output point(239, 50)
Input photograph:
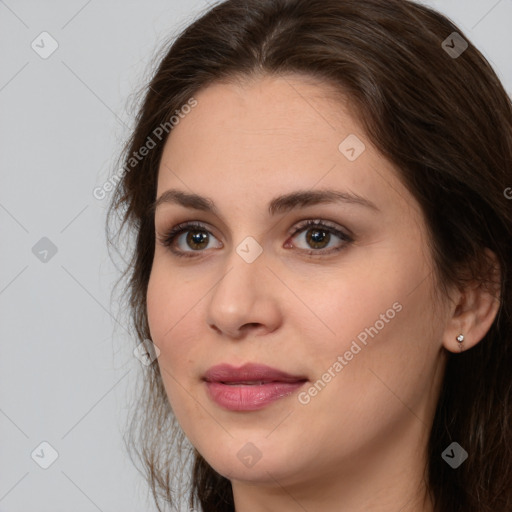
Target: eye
point(189, 235)
point(191, 238)
point(318, 235)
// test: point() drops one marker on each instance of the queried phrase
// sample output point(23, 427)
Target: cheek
point(175, 301)
point(343, 309)
point(169, 307)
point(382, 327)
point(171, 322)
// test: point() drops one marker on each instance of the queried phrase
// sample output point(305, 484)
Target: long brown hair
point(445, 120)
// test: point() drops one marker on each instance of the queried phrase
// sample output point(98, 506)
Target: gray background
point(67, 370)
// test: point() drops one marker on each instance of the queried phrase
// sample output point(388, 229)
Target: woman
point(318, 191)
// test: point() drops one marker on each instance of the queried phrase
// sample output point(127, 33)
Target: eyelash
point(168, 238)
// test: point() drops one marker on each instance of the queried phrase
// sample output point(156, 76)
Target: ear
point(473, 310)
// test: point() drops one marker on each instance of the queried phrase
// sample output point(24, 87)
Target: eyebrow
point(279, 205)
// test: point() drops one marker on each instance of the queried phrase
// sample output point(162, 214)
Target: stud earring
point(460, 339)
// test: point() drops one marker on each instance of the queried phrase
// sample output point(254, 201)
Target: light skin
point(360, 443)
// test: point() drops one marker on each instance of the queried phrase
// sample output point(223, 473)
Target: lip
point(228, 386)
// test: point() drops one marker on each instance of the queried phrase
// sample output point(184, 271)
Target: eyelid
point(320, 222)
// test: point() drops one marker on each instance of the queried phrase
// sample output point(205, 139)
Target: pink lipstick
point(250, 387)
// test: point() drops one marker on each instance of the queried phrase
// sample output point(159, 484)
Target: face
point(308, 256)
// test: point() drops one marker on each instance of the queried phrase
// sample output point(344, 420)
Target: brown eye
point(187, 239)
point(197, 240)
point(318, 238)
point(317, 235)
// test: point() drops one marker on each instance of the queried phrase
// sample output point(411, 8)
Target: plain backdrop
point(66, 365)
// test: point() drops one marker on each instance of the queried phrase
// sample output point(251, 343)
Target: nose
point(245, 299)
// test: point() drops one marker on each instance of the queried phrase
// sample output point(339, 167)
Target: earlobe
point(474, 312)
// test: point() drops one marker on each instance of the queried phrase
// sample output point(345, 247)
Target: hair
point(446, 124)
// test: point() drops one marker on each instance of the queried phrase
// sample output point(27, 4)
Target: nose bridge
point(245, 265)
point(239, 284)
point(242, 295)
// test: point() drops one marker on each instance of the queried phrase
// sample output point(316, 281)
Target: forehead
point(287, 109)
point(269, 135)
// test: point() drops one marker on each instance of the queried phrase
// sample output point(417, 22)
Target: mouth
point(250, 387)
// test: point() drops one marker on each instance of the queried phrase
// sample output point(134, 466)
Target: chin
point(260, 461)
point(262, 472)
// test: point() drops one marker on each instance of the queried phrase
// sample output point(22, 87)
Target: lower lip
point(250, 397)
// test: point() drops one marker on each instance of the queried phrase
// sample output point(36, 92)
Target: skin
point(358, 444)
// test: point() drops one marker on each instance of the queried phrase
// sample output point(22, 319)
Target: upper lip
point(249, 372)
